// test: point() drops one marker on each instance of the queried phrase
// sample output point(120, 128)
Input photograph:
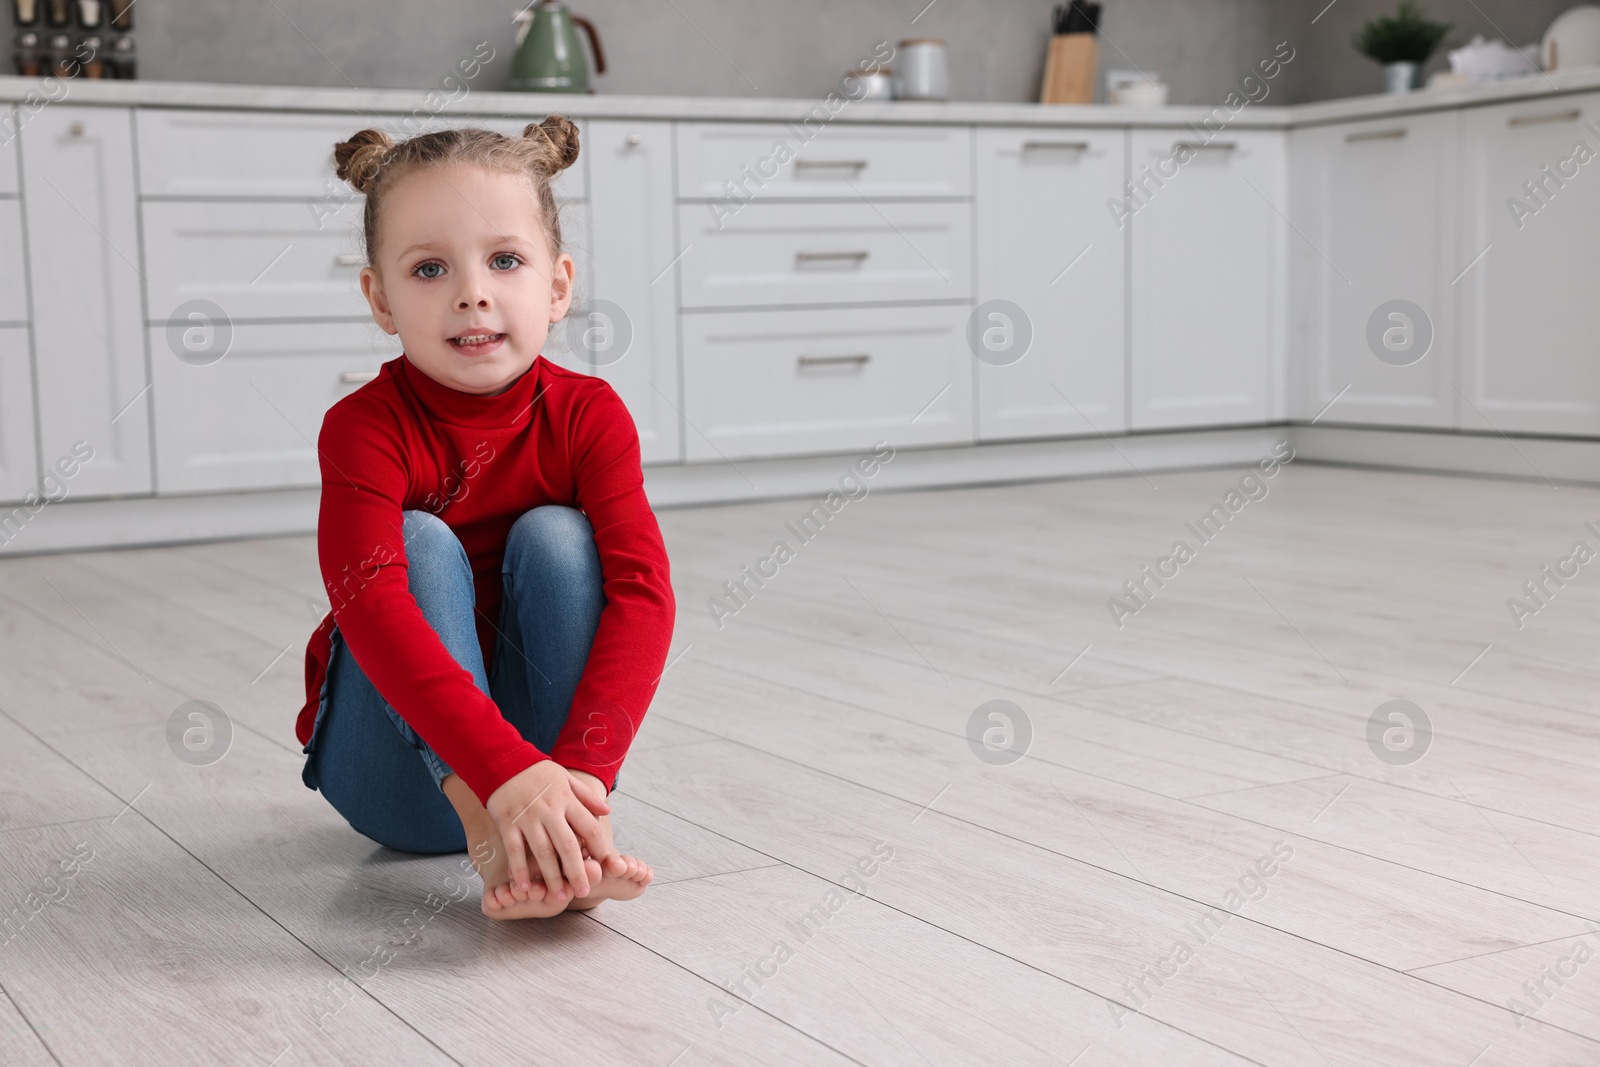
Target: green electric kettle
point(549, 58)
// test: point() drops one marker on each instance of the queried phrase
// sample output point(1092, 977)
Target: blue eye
point(424, 266)
point(506, 256)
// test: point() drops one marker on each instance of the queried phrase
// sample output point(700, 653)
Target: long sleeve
point(361, 551)
point(630, 643)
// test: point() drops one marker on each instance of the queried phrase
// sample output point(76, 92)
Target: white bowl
point(1138, 94)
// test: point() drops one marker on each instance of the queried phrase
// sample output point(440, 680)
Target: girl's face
point(464, 275)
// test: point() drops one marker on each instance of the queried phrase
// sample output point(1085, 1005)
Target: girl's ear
point(377, 299)
point(561, 275)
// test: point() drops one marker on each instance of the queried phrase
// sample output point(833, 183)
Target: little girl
point(501, 608)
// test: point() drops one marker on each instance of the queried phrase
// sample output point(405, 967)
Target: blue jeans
point(369, 763)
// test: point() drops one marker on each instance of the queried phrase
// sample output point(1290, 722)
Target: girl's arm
point(630, 643)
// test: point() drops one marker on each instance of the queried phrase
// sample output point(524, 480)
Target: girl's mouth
point(476, 344)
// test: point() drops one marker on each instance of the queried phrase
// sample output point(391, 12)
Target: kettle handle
point(594, 42)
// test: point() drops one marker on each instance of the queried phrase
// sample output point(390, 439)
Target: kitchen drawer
point(779, 253)
point(251, 419)
point(255, 260)
point(10, 117)
point(13, 274)
point(777, 383)
point(733, 161)
point(281, 154)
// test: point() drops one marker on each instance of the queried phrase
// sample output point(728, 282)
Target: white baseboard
point(1552, 459)
point(985, 464)
point(75, 525)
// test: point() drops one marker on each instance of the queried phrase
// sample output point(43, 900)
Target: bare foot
point(499, 902)
point(619, 878)
point(625, 877)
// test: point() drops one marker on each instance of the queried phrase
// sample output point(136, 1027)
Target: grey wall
point(1201, 48)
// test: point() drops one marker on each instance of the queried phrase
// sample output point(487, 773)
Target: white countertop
point(402, 101)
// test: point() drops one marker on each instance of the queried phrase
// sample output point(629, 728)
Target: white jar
point(868, 83)
point(921, 70)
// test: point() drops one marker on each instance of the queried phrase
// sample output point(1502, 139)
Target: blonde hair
point(371, 161)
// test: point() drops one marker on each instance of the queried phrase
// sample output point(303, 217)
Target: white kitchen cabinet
point(1046, 244)
point(1208, 292)
point(250, 419)
point(735, 162)
point(777, 383)
point(18, 473)
point(625, 320)
point(775, 254)
point(88, 329)
point(1529, 316)
point(1375, 204)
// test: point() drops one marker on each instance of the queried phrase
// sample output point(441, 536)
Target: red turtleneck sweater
point(404, 441)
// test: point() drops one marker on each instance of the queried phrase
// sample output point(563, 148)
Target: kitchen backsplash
point(733, 48)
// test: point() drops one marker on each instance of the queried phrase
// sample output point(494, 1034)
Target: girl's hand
point(538, 812)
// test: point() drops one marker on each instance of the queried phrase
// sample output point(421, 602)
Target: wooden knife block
point(1069, 69)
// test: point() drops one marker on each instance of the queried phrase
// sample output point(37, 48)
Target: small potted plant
point(1402, 43)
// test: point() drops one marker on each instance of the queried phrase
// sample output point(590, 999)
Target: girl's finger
point(549, 866)
point(592, 832)
point(566, 843)
point(516, 857)
point(593, 796)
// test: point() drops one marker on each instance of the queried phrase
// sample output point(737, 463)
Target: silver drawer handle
point(830, 164)
point(814, 257)
point(1534, 120)
point(349, 259)
point(1067, 146)
point(355, 377)
point(1205, 146)
point(1377, 135)
point(858, 360)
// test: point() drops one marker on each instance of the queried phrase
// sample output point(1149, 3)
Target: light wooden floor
point(1021, 905)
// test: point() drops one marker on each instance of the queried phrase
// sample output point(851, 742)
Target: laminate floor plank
point(802, 948)
point(1548, 789)
point(19, 1044)
point(1114, 746)
point(1457, 838)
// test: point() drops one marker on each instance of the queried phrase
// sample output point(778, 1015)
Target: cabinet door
point(1207, 272)
point(83, 255)
point(18, 473)
point(1372, 318)
point(625, 326)
point(1048, 245)
point(1529, 317)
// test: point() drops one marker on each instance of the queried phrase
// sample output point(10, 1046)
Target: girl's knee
point(553, 537)
point(431, 547)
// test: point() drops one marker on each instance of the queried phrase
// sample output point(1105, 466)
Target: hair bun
point(358, 159)
point(560, 134)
